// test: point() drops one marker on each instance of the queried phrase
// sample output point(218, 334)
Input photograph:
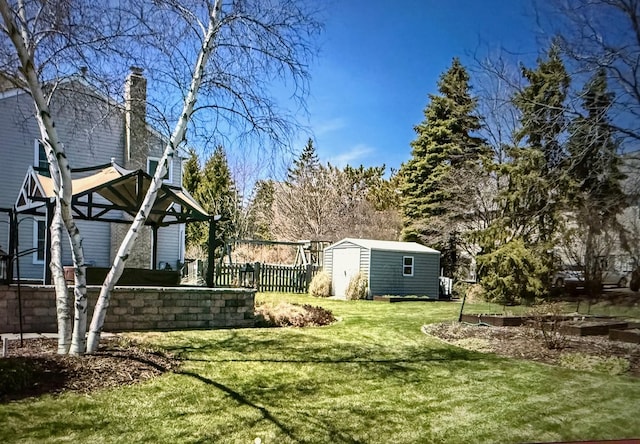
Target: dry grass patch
point(285, 314)
point(588, 353)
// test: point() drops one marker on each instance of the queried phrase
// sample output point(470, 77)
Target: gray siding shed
point(386, 264)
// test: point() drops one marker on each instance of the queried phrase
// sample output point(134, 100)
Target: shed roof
point(371, 244)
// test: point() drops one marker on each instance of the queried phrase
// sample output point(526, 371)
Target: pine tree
point(594, 162)
point(537, 185)
point(444, 142)
point(530, 204)
point(261, 210)
point(594, 169)
point(191, 172)
point(217, 194)
point(305, 166)
point(542, 104)
point(191, 182)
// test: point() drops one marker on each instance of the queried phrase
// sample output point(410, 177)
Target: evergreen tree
point(444, 142)
point(594, 169)
point(191, 172)
point(306, 166)
point(530, 203)
point(594, 162)
point(217, 194)
point(191, 182)
point(261, 210)
point(542, 107)
point(537, 186)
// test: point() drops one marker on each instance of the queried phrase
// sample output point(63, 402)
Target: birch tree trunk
point(177, 137)
point(58, 166)
point(63, 310)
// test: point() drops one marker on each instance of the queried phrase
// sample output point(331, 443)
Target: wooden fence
point(266, 277)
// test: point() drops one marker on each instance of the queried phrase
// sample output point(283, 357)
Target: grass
point(371, 377)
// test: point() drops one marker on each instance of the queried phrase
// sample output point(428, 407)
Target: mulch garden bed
point(35, 368)
point(525, 343)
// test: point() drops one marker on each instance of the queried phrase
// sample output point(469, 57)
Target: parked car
point(572, 276)
point(569, 276)
point(617, 278)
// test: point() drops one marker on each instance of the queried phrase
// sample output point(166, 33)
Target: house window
point(152, 166)
point(40, 162)
point(39, 240)
point(407, 265)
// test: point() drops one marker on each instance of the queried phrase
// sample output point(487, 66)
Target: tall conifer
point(445, 140)
point(594, 170)
point(217, 194)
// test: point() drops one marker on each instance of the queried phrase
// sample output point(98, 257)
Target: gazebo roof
point(103, 195)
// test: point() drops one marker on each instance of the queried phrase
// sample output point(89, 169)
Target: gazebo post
point(213, 221)
point(211, 250)
point(154, 248)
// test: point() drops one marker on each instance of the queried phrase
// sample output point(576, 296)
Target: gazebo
point(109, 193)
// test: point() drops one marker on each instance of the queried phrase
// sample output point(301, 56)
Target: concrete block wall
point(134, 308)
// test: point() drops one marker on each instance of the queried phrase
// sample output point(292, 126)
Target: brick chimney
point(136, 147)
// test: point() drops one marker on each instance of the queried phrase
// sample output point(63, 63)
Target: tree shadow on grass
point(240, 399)
point(404, 363)
point(319, 350)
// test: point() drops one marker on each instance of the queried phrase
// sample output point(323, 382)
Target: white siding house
point(94, 130)
point(392, 268)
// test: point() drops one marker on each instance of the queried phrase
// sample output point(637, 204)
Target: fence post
point(257, 278)
point(308, 276)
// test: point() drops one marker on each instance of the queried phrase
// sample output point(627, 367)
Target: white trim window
point(40, 161)
point(152, 164)
point(39, 240)
point(407, 265)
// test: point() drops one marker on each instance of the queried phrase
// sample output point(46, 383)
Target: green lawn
point(371, 377)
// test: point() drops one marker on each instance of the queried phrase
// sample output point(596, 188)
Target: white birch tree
point(177, 138)
point(227, 54)
point(43, 43)
point(242, 48)
point(16, 27)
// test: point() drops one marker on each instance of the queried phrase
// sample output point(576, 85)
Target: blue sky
point(380, 59)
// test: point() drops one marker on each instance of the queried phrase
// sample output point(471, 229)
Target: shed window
point(407, 265)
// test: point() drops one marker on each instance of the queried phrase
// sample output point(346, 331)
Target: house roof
point(123, 190)
point(370, 244)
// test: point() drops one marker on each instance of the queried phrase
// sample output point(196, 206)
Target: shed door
point(346, 264)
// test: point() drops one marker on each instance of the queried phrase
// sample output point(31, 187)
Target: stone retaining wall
point(134, 308)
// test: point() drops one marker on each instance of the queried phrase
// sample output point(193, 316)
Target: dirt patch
point(36, 368)
point(525, 343)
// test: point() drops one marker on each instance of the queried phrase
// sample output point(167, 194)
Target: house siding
point(386, 274)
point(93, 133)
point(169, 245)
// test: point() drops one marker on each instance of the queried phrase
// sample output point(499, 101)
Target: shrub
point(476, 293)
point(546, 322)
point(358, 287)
point(291, 315)
point(320, 285)
point(460, 289)
point(513, 274)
